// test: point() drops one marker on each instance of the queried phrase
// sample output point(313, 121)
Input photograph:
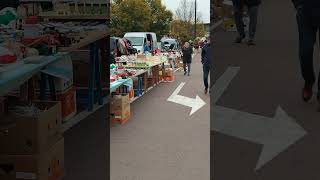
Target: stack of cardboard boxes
point(31, 141)
point(120, 108)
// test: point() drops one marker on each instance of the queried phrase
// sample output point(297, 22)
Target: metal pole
point(195, 19)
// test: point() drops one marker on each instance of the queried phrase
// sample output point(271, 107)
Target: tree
point(183, 25)
point(161, 17)
point(129, 15)
point(139, 15)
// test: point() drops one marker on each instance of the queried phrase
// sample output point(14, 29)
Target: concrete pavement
point(161, 141)
point(269, 77)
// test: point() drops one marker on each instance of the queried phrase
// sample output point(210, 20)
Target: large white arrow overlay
point(195, 104)
point(275, 134)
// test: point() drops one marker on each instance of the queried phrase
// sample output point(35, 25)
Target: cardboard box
point(44, 166)
point(119, 102)
point(29, 134)
point(120, 108)
point(121, 115)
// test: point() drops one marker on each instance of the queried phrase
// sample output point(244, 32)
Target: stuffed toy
point(7, 15)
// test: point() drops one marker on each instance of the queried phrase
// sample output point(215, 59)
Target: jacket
point(187, 54)
point(205, 55)
point(310, 9)
point(146, 49)
point(297, 3)
point(309, 4)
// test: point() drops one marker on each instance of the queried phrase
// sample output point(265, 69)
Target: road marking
point(275, 134)
point(195, 104)
point(223, 82)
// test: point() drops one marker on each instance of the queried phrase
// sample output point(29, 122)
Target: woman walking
point(187, 57)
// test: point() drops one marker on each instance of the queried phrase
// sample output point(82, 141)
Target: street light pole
point(195, 19)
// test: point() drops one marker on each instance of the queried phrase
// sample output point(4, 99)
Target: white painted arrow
point(195, 104)
point(275, 134)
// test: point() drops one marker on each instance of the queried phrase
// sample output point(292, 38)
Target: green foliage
point(139, 15)
point(183, 26)
point(129, 15)
point(184, 31)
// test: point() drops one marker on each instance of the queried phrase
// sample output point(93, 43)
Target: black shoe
point(239, 39)
point(251, 42)
point(307, 92)
point(185, 73)
point(205, 90)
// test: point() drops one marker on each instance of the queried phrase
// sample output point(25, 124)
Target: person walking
point(205, 60)
point(253, 6)
point(308, 20)
point(187, 52)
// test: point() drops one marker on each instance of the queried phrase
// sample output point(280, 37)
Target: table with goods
point(133, 76)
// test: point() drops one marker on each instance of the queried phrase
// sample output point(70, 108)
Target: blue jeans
point(307, 40)
point(206, 71)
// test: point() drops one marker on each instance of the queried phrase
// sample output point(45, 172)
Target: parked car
point(138, 40)
point(170, 44)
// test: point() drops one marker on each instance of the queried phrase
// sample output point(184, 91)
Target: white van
point(138, 40)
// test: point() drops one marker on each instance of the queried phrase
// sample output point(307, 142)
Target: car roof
point(139, 33)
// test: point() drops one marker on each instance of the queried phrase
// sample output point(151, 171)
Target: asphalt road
point(87, 148)
point(269, 77)
point(161, 141)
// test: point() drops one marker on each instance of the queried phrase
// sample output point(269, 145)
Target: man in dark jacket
point(205, 60)
point(308, 19)
point(238, 6)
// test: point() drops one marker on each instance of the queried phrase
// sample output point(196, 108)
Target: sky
point(203, 7)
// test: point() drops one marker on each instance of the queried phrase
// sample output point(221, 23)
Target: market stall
point(131, 77)
point(42, 93)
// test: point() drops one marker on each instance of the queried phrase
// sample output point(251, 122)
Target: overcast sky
point(203, 7)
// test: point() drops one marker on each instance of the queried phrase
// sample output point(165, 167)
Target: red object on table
point(7, 59)
point(31, 20)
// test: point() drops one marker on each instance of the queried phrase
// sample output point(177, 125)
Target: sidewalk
point(161, 141)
